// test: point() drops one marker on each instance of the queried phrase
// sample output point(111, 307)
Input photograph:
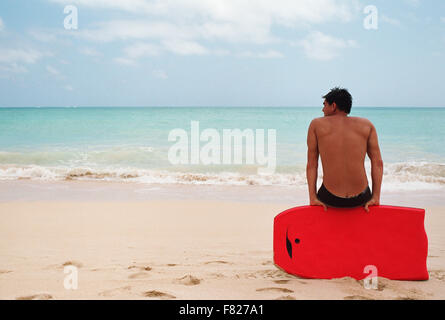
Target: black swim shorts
point(337, 202)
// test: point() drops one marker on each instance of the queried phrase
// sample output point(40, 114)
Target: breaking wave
point(397, 176)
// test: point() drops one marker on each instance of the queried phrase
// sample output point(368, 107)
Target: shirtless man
point(342, 143)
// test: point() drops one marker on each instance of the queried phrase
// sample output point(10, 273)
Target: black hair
point(341, 97)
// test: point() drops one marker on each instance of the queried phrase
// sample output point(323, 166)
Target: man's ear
point(334, 105)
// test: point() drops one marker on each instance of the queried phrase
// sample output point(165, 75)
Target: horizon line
point(214, 106)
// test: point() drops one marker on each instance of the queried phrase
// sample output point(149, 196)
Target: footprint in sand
point(281, 281)
point(382, 283)
point(142, 271)
point(158, 294)
point(287, 281)
point(437, 274)
point(5, 271)
point(275, 289)
point(188, 280)
point(40, 296)
point(113, 292)
point(392, 287)
point(142, 268)
point(72, 263)
point(357, 297)
point(405, 298)
point(271, 274)
point(217, 261)
point(139, 275)
point(415, 294)
point(286, 298)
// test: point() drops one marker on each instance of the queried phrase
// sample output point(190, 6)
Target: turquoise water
point(131, 144)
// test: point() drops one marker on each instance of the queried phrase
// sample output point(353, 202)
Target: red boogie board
point(312, 243)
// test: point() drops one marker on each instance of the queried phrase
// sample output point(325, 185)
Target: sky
point(221, 52)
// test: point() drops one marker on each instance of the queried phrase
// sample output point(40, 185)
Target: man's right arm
point(312, 166)
point(375, 156)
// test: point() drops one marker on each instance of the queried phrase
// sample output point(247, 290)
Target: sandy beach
point(171, 249)
point(146, 148)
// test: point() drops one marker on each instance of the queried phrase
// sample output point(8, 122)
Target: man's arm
point(312, 166)
point(376, 167)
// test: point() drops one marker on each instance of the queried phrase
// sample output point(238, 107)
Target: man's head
point(338, 100)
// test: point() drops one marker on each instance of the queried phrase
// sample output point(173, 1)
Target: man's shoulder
point(322, 121)
point(362, 121)
point(316, 124)
point(317, 120)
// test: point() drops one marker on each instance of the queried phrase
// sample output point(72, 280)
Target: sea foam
point(397, 176)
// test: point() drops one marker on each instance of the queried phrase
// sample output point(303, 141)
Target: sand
point(176, 249)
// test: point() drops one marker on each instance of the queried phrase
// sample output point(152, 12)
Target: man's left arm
point(376, 168)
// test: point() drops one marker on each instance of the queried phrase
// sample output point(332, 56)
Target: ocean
point(131, 144)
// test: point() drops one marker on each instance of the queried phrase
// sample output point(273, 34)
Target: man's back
point(343, 144)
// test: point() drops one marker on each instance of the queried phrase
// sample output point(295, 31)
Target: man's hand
point(372, 202)
point(316, 202)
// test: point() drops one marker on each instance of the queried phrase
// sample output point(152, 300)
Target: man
point(342, 143)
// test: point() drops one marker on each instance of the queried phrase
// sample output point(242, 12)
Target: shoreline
point(93, 191)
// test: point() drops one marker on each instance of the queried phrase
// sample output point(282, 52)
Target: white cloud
point(186, 27)
point(323, 47)
point(136, 51)
point(142, 49)
point(68, 87)
point(2, 25)
point(13, 60)
point(183, 47)
point(52, 70)
point(20, 55)
point(228, 20)
point(42, 36)
point(132, 30)
point(55, 73)
point(285, 12)
point(126, 5)
point(139, 50)
point(271, 54)
point(389, 20)
point(442, 19)
point(13, 67)
point(125, 61)
point(90, 52)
